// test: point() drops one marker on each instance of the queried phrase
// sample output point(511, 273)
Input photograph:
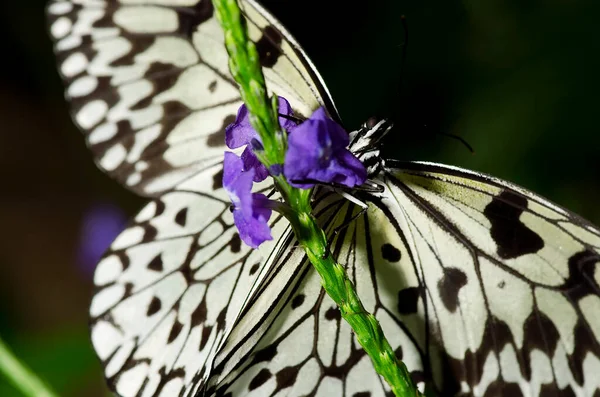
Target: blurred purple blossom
point(100, 225)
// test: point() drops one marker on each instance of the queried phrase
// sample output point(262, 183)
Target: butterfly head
point(365, 143)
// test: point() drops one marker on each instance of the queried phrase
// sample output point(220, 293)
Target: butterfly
point(482, 287)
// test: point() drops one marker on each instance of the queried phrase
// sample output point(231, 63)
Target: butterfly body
point(482, 287)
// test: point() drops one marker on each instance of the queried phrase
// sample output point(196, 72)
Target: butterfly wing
point(482, 287)
point(298, 344)
point(170, 288)
point(149, 84)
point(508, 281)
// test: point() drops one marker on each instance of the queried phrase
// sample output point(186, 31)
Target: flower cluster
point(317, 153)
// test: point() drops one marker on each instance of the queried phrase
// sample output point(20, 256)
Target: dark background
point(517, 79)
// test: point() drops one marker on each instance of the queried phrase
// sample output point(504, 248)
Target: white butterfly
point(482, 287)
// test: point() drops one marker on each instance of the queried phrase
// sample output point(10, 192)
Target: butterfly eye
point(371, 122)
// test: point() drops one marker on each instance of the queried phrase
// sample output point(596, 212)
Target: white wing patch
point(512, 297)
point(300, 345)
point(170, 289)
point(149, 83)
point(474, 314)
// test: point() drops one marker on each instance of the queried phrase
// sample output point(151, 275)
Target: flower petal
point(241, 132)
point(354, 165)
point(286, 109)
point(338, 137)
point(317, 153)
point(238, 183)
point(251, 211)
point(253, 231)
point(251, 162)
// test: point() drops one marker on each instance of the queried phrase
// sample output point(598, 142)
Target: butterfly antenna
point(457, 137)
point(460, 139)
point(403, 63)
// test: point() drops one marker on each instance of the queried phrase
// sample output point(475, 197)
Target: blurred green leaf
point(64, 359)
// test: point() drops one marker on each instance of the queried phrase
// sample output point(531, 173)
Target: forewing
point(509, 282)
point(149, 85)
point(170, 289)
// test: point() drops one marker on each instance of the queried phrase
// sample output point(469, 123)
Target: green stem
point(341, 290)
point(246, 70)
point(20, 376)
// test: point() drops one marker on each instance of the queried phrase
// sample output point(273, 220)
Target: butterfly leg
point(371, 187)
point(341, 227)
point(351, 198)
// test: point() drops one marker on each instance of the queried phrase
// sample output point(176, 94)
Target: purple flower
point(241, 133)
point(317, 152)
point(250, 210)
point(252, 163)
